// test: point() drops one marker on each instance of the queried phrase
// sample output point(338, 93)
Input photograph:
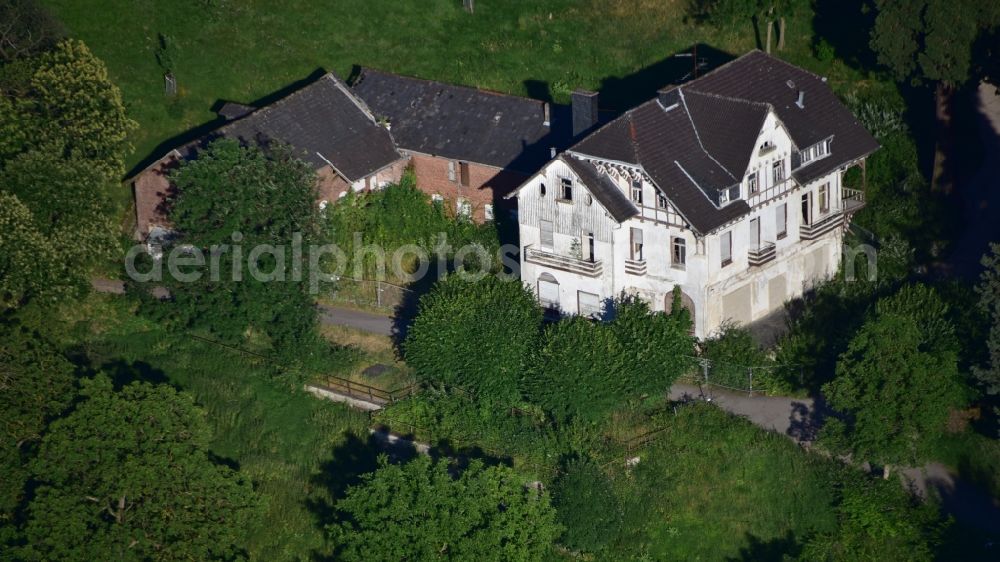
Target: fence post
point(378, 293)
point(750, 371)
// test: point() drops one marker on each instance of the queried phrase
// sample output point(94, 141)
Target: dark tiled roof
point(461, 122)
point(762, 78)
point(324, 123)
point(702, 140)
point(728, 128)
point(607, 193)
point(232, 110)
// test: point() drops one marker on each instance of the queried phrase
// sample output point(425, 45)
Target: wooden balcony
point(853, 201)
point(762, 254)
point(821, 227)
point(635, 267)
point(587, 268)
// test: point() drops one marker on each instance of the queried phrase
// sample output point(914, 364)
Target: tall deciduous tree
point(896, 389)
point(127, 475)
point(26, 28)
point(36, 384)
point(267, 206)
point(478, 335)
point(929, 40)
point(989, 302)
point(419, 511)
point(67, 105)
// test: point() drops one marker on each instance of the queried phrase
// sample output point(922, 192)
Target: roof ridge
point(728, 98)
point(366, 69)
point(697, 135)
point(263, 110)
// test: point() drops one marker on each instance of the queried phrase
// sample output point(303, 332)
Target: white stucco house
point(729, 186)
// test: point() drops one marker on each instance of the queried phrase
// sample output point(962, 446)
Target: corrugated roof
point(460, 122)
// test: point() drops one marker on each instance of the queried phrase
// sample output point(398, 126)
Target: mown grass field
point(247, 50)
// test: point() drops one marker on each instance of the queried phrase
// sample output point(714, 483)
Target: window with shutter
point(451, 170)
point(547, 235)
point(636, 235)
point(726, 246)
point(781, 220)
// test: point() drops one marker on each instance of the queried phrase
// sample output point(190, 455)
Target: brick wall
point(486, 185)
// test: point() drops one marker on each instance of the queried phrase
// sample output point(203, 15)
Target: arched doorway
point(686, 302)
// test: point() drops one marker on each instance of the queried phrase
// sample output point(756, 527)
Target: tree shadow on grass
point(778, 549)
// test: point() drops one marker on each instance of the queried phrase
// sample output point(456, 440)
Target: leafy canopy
point(476, 335)
point(234, 195)
point(66, 105)
point(896, 389)
point(419, 511)
point(584, 369)
point(930, 40)
point(128, 475)
point(36, 384)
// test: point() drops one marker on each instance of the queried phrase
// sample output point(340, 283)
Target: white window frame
point(781, 220)
point(678, 252)
point(726, 247)
point(753, 186)
point(488, 211)
point(637, 192)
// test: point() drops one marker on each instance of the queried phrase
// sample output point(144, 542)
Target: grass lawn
point(285, 440)
point(245, 51)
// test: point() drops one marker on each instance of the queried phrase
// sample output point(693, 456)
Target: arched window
point(548, 291)
point(541, 190)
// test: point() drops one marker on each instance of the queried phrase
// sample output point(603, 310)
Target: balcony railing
point(635, 267)
point(762, 254)
point(821, 227)
point(767, 149)
point(589, 268)
point(854, 200)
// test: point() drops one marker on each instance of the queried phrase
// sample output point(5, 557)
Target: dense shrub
point(733, 352)
point(397, 216)
point(586, 506)
point(655, 347)
point(585, 369)
point(576, 373)
point(420, 511)
point(474, 334)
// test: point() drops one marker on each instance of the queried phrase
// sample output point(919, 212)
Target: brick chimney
point(584, 106)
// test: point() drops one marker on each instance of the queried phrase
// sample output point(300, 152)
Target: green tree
point(29, 262)
point(587, 506)
point(127, 475)
point(270, 202)
point(477, 335)
point(656, 347)
point(36, 384)
point(896, 390)
point(419, 511)
point(989, 302)
point(929, 40)
point(877, 521)
point(70, 108)
point(577, 371)
point(26, 28)
point(70, 209)
point(924, 305)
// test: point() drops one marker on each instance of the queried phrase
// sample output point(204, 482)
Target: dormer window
point(637, 191)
